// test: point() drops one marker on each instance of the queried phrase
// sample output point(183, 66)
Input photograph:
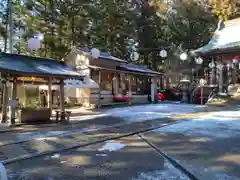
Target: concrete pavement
point(208, 159)
point(125, 159)
point(39, 146)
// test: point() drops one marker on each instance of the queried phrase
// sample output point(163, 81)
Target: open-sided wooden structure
point(15, 68)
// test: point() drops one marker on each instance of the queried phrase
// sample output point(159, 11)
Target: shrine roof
point(35, 66)
point(137, 68)
point(226, 39)
point(104, 55)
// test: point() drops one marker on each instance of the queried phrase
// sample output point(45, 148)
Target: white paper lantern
point(163, 53)
point(183, 56)
point(95, 52)
point(199, 60)
point(202, 82)
point(134, 56)
point(235, 60)
point(211, 65)
point(34, 44)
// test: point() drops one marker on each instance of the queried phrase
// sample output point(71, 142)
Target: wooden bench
point(62, 115)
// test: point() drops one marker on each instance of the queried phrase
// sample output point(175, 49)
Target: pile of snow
point(37, 135)
point(152, 111)
point(3, 172)
point(167, 173)
point(111, 146)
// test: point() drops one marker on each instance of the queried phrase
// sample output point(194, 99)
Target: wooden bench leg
point(62, 116)
point(57, 116)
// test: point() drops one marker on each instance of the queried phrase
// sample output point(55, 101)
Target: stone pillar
point(14, 97)
point(62, 96)
point(229, 73)
point(99, 89)
point(185, 91)
point(214, 75)
point(153, 89)
point(234, 74)
point(50, 102)
point(5, 102)
point(221, 80)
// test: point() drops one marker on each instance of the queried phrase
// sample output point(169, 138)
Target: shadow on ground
point(91, 163)
point(220, 155)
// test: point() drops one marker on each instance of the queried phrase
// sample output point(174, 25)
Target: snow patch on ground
point(222, 124)
point(33, 135)
point(167, 173)
point(111, 146)
point(3, 172)
point(152, 111)
point(207, 173)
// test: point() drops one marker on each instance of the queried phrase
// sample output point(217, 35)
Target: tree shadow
point(92, 163)
point(218, 154)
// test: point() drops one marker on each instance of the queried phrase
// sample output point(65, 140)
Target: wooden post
point(14, 97)
point(99, 89)
point(201, 95)
point(129, 89)
point(5, 102)
point(50, 95)
point(62, 96)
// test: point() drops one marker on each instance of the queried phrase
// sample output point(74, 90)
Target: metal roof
point(103, 55)
point(28, 65)
point(137, 68)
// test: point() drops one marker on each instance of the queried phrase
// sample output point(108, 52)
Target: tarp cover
point(35, 66)
point(74, 84)
point(86, 83)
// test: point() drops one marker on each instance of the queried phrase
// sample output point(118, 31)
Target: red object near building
point(122, 99)
point(160, 97)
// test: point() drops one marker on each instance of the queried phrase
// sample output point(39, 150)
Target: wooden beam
point(62, 96)
point(5, 102)
point(13, 107)
point(99, 89)
point(50, 95)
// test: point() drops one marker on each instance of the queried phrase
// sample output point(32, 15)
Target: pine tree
point(3, 24)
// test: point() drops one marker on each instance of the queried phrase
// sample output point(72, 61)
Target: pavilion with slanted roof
point(17, 68)
point(224, 47)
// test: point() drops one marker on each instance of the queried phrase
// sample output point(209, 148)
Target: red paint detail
point(122, 99)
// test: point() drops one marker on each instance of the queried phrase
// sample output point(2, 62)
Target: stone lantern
point(185, 87)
